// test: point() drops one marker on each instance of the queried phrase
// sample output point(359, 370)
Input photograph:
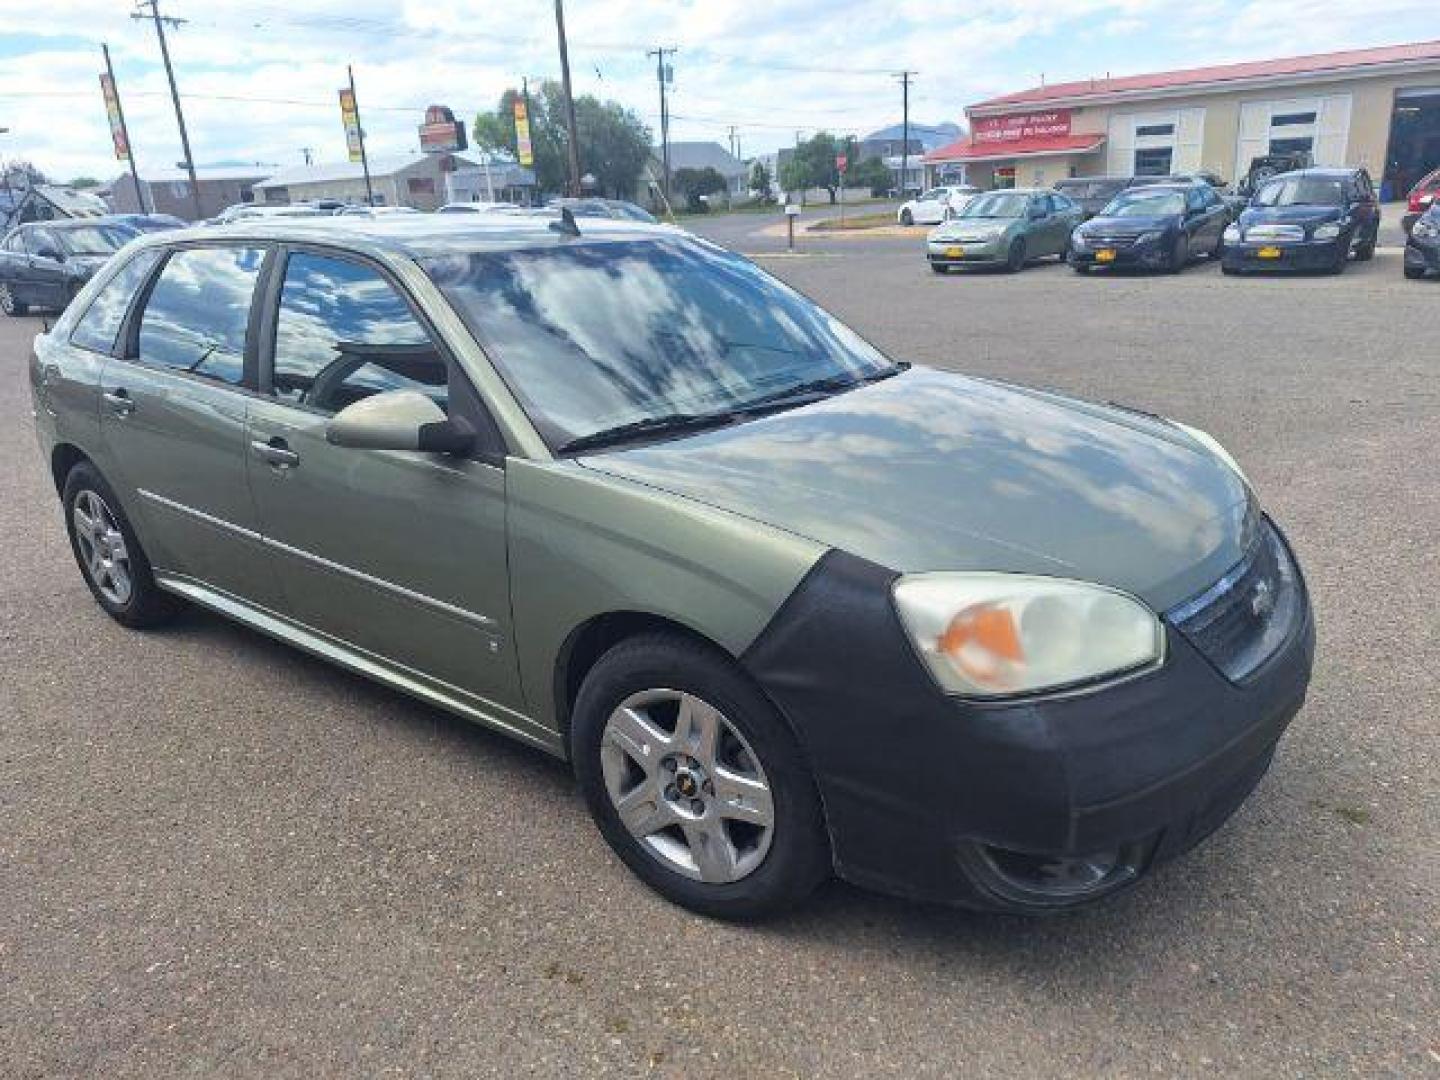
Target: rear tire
point(1366, 251)
point(1179, 255)
point(109, 554)
point(8, 304)
point(651, 700)
point(1079, 267)
point(1414, 272)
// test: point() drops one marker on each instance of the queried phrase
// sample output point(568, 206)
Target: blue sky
point(260, 78)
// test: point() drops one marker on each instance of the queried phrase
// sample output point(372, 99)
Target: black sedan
point(1158, 227)
point(43, 265)
point(1313, 219)
point(1422, 249)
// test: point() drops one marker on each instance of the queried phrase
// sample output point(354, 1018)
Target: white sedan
point(936, 205)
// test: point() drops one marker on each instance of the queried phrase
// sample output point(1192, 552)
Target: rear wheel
point(109, 554)
point(1413, 272)
point(8, 304)
point(1366, 250)
point(1015, 257)
point(696, 781)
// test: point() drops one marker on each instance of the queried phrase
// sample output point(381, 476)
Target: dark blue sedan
point(1313, 219)
point(1160, 227)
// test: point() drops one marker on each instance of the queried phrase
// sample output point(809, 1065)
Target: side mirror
point(399, 420)
point(51, 253)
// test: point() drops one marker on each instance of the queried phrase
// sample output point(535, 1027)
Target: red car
point(1424, 193)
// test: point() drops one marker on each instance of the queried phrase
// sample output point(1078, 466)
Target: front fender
point(584, 544)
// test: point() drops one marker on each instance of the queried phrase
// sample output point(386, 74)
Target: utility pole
point(306, 151)
point(160, 21)
point(571, 137)
point(663, 76)
point(904, 77)
point(124, 131)
point(364, 158)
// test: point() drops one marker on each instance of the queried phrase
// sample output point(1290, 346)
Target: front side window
point(198, 312)
point(343, 333)
point(594, 336)
point(99, 326)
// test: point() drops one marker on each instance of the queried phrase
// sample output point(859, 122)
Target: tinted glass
point(1145, 202)
point(1301, 191)
point(343, 333)
point(198, 311)
point(591, 336)
point(94, 239)
point(100, 324)
point(16, 242)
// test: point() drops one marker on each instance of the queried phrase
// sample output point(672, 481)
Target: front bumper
point(1293, 254)
point(1148, 256)
point(960, 253)
point(1024, 806)
point(1422, 255)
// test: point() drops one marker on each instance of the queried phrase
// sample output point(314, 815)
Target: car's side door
point(172, 418)
point(14, 266)
point(400, 554)
point(47, 268)
point(929, 210)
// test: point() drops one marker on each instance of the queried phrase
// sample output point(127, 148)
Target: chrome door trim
point(485, 622)
point(397, 676)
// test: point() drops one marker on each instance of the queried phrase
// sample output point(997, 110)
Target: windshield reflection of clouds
point(591, 336)
point(199, 310)
point(933, 471)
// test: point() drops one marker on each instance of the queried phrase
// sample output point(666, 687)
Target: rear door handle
point(120, 401)
point(275, 452)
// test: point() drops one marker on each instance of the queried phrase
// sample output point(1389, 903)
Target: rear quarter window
point(98, 328)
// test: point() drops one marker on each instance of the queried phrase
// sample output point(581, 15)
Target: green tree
point(82, 183)
point(871, 173)
point(814, 161)
point(760, 180)
point(614, 143)
point(695, 183)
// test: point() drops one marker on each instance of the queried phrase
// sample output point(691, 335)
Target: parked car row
point(1311, 219)
point(44, 264)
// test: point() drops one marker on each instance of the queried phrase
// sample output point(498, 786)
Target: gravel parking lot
point(218, 856)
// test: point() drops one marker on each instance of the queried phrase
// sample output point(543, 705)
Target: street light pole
point(571, 137)
point(154, 6)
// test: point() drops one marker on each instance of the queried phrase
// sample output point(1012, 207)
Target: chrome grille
point(1275, 232)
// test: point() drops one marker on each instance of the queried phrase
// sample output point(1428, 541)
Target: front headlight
point(1329, 231)
point(992, 635)
point(1149, 237)
point(1205, 439)
point(1425, 230)
point(1078, 239)
point(1232, 234)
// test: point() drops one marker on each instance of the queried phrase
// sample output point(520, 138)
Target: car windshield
point(95, 239)
point(996, 205)
point(1301, 191)
point(1145, 202)
point(596, 336)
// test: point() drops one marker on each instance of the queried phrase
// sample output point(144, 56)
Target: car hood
point(973, 226)
point(1289, 215)
point(1125, 226)
point(931, 471)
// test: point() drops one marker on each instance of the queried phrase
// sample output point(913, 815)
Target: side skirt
point(396, 676)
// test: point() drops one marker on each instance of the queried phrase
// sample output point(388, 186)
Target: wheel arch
point(64, 457)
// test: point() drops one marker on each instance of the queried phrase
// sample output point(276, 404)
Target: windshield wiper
point(816, 388)
point(649, 425)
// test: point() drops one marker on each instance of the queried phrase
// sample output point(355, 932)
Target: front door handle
point(120, 401)
point(276, 452)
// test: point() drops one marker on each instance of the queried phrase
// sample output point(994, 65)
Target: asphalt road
point(218, 857)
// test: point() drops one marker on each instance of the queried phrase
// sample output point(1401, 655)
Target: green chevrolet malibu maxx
point(789, 607)
point(1007, 229)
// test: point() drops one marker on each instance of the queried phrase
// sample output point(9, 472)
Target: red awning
point(995, 150)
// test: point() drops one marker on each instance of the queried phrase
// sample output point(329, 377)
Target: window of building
point(420, 185)
point(98, 327)
point(343, 333)
point(1005, 177)
point(1303, 145)
point(1295, 119)
point(199, 310)
point(1154, 161)
point(179, 189)
point(1154, 130)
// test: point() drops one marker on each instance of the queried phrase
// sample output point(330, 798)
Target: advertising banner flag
point(524, 153)
point(351, 118)
point(117, 125)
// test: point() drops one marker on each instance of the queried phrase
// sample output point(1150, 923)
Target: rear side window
point(196, 318)
point(344, 333)
point(99, 326)
point(15, 242)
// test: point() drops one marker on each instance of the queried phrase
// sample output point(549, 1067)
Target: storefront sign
point(523, 151)
point(112, 110)
point(350, 115)
point(1020, 126)
point(441, 133)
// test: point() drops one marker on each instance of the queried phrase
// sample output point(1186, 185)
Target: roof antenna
point(566, 225)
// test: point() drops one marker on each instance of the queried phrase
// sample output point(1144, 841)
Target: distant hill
point(931, 136)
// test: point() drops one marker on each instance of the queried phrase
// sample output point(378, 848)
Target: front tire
point(1179, 254)
point(8, 304)
point(906, 218)
point(1414, 272)
point(1015, 258)
point(696, 781)
point(940, 268)
point(108, 553)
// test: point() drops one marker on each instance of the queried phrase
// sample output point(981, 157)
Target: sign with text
point(841, 161)
point(441, 133)
point(350, 116)
point(524, 153)
point(112, 110)
point(1020, 126)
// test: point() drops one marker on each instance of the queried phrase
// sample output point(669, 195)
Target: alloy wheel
point(687, 786)
point(102, 546)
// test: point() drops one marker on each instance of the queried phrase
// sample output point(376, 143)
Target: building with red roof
point(1378, 108)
